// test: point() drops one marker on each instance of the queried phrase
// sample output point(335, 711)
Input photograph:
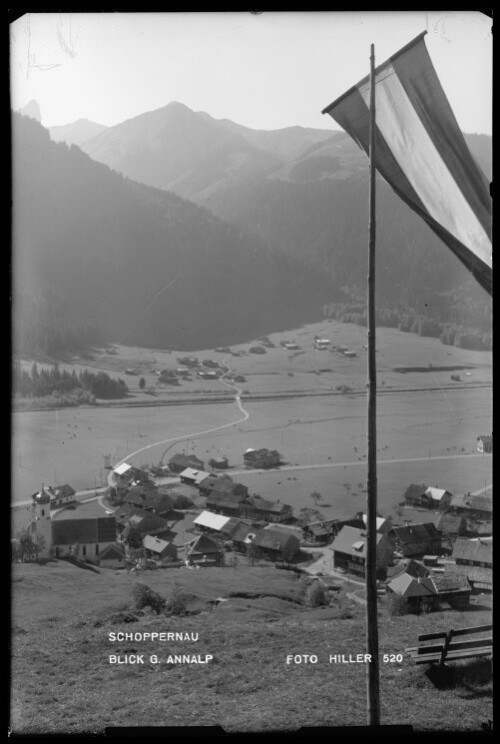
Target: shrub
point(398, 606)
point(176, 601)
point(146, 597)
point(315, 595)
point(182, 502)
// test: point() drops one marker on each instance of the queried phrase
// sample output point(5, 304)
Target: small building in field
point(261, 458)
point(180, 462)
point(349, 551)
point(485, 443)
point(429, 497)
point(417, 539)
point(219, 463)
point(113, 556)
point(204, 551)
point(157, 548)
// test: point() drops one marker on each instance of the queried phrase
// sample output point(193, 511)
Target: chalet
point(349, 354)
point(472, 507)
point(219, 463)
point(193, 477)
point(145, 523)
point(156, 548)
point(222, 486)
point(188, 361)
point(428, 592)
point(428, 496)
point(317, 532)
point(204, 551)
point(87, 527)
point(255, 507)
point(349, 551)
point(113, 556)
point(475, 552)
point(291, 346)
point(210, 522)
point(261, 458)
point(417, 539)
point(485, 443)
point(209, 374)
point(479, 577)
point(383, 524)
point(180, 462)
point(276, 544)
point(322, 344)
point(225, 503)
point(210, 363)
point(239, 532)
point(451, 525)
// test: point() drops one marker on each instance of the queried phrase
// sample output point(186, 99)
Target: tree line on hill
point(41, 383)
point(452, 334)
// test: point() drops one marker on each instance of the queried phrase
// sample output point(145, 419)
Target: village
point(434, 552)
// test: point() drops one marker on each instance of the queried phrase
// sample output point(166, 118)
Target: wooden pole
point(372, 667)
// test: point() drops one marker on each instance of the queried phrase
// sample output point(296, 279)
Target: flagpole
point(372, 667)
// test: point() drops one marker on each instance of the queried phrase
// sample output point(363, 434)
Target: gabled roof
point(274, 539)
point(409, 586)
point(348, 537)
point(269, 506)
point(467, 501)
point(477, 574)
point(211, 520)
point(198, 476)
point(225, 499)
point(473, 550)
point(64, 490)
point(112, 551)
point(450, 583)
point(381, 521)
point(416, 532)
point(414, 491)
point(92, 530)
point(203, 544)
point(123, 468)
point(436, 494)
point(450, 523)
point(154, 544)
point(187, 460)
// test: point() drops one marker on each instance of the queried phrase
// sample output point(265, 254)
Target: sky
point(266, 71)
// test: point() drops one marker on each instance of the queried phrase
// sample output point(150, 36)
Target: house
point(225, 503)
point(256, 349)
point(349, 354)
point(451, 525)
point(383, 524)
point(59, 496)
point(219, 463)
point(255, 507)
point(223, 485)
point(204, 551)
point(193, 477)
point(87, 527)
point(240, 532)
point(210, 522)
point(123, 472)
point(322, 344)
point(317, 532)
point(113, 556)
point(276, 544)
point(475, 552)
point(180, 462)
point(480, 578)
point(472, 507)
point(485, 443)
point(156, 548)
point(430, 497)
point(417, 539)
point(145, 523)
point(349, 551)
point(63, 495)
point(427, 592)
point(261, 458)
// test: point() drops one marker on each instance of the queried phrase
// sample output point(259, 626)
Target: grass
point(62, 680)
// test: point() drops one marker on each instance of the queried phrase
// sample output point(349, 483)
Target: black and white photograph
point(251, 372)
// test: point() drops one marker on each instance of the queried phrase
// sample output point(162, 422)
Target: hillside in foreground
point(62, 680)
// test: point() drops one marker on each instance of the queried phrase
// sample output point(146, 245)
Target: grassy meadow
point(62, 681)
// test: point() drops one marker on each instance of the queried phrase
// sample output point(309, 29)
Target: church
point(85, 530)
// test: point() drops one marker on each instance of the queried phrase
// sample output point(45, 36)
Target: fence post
point(446, 643)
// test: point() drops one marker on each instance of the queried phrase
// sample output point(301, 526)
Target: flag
point(422, 154)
